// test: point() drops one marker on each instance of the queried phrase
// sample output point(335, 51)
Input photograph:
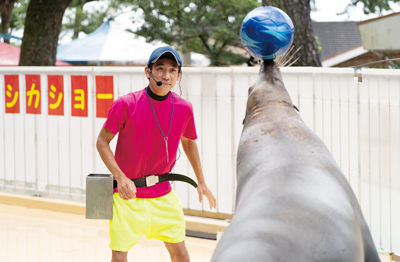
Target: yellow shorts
point(160, 218)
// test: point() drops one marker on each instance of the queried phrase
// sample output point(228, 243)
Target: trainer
point(150, 123)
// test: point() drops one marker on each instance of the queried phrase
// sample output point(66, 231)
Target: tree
point(42, 28)
point(16, 20)
point(304, 41)
point(81, 21)
point(77, 20)
point(373, 6)
point(18, 16)
point(6, 7)
point(299, 11)
point(209, 27)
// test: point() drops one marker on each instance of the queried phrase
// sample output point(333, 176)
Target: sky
point(327, 11)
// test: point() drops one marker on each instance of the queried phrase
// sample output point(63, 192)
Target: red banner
point(11, 83)
point(33, 92)
point(79, 96)
point(55, 95)
point(104, 95)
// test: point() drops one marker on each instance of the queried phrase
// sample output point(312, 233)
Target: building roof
point(377, 18)
point(336, 37)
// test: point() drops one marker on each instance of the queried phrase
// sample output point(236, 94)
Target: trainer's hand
point(202, 189)
point(126, 188)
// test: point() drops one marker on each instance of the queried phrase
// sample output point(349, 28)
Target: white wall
point(360, 124)
point(381, 34)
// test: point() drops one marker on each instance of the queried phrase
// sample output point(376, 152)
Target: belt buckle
point(151, 180)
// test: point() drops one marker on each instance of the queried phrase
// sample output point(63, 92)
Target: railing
point(50, 152)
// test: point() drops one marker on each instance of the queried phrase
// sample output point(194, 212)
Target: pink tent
point(9, 56)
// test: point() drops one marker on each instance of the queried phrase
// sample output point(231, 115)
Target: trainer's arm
point(192, 153)
point(126, 188)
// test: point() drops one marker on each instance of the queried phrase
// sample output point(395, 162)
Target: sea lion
point(293, 202)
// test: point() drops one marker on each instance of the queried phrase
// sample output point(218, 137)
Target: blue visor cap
point(164, 51)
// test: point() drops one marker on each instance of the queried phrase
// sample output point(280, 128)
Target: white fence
point(49, 149)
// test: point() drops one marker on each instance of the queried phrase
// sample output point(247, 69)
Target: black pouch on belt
point(99, 191)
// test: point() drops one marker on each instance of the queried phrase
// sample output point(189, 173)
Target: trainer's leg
point(119, 256)
point(178, 251)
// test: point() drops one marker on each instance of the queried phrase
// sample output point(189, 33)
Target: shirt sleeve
point(189, 130)
point(117, 116)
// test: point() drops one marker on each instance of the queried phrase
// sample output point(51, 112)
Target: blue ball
point(267, 32)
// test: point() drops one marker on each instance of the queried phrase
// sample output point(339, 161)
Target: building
point(346, 44)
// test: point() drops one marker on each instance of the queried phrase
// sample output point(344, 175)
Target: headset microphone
point(159, 83)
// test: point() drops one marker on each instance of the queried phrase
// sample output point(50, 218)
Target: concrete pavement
point(30, 233)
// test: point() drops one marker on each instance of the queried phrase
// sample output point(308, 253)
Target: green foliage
point(18, 16)
point(395, 66)
point(374, 6)
point(205, 26)
point(12, 17)
point(17, 19)
point(78, 19)
point(318, 43)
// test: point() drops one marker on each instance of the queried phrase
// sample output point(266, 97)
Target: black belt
point(149, 181)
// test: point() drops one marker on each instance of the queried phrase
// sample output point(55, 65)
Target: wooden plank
point(343, 115)
point(318, 107)
point(30, 149)
point(353, 120)
point(9, 147)
point(2, 131)
point(76, 156)
point(305, 94)
point(209, 134)
point(194, 91)
point(225, 173)
point(327, 97)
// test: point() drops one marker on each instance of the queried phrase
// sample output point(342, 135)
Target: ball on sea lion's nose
point(267, 32)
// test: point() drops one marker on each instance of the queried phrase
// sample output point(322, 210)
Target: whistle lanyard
point(170, 123)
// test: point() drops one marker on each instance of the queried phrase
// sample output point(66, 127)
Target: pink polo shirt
point(141, 149)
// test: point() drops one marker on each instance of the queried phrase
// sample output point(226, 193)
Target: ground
point(36, 235)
